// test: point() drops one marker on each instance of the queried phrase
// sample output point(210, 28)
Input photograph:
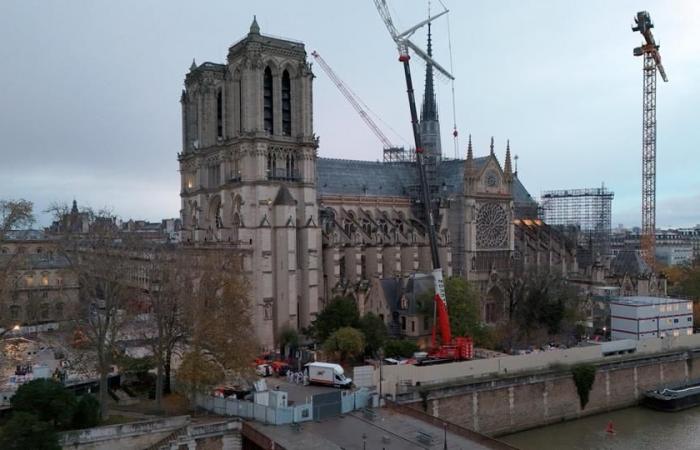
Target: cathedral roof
point(349, 177)
point(629, 262)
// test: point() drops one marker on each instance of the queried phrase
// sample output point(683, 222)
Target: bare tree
point(98, 260)
point(14, 215)
point(168, 287)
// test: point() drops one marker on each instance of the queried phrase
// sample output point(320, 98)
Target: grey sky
point(89, 92)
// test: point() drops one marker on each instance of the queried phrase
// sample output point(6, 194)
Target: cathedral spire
point(492, 153)
point(193, 66)
point(507, 167)
point(429, 110)
point(254, 27)
point(470, 152)
point(469, 163)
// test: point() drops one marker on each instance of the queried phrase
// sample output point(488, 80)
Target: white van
point(327, 374)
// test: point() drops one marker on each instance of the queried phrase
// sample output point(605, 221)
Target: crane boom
point(460, 348)
point(352, 98)
point(652, 62)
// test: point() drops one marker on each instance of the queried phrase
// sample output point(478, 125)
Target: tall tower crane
point(652, 62)
point(459, 347)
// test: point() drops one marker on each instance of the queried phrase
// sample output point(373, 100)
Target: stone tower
point(248, 171)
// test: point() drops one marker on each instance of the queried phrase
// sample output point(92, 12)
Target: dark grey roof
point(349, 177)
point(629, 262)
point(35, 261)
point(413, 288)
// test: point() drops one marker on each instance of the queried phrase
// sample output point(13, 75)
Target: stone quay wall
point(508, 403)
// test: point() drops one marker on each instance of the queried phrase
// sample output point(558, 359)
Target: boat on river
point(673, 398)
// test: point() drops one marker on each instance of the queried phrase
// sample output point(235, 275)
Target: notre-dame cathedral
point(311, 228)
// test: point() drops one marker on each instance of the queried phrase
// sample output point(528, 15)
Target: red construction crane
point(652, 62)
point(449, 349)
point(353, 99)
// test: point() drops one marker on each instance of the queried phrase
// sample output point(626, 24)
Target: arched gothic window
point(267, 101)
point(219, 114)
point(286, 104)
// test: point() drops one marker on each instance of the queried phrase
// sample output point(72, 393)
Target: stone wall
point(506, 404)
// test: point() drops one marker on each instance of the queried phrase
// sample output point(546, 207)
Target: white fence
point(349, 401)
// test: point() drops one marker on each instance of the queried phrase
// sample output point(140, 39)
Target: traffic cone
point(610, 429)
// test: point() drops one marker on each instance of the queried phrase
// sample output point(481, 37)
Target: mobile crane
point(449, 348)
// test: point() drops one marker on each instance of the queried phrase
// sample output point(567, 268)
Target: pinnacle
point(254, 27)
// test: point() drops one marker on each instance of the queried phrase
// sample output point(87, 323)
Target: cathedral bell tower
point(248, 170)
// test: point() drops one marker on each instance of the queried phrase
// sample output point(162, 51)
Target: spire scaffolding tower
point(652, 61)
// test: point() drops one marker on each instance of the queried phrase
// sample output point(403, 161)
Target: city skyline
point(75, 126)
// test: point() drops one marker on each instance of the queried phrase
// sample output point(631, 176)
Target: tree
point(25, 431)
point(217, 320)
point(348, 342)
point(198, 372)
point(101, 263)
point(168, 285)
point(48, 400)
point(543, 302)
point(340, 312)
point(87, 412)
point(375, 332)
point(14, 215)
point(463, 308)
point(400, 348)
point(288, 341)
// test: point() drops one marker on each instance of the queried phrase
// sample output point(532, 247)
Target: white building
point(647, 317)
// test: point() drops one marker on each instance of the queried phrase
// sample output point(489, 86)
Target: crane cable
point(455, 134)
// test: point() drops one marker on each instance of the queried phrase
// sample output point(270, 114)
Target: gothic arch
point(493, 305)
point(215, 215)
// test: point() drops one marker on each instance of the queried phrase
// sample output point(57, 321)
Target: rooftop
point(389, 430)
point(640, 300)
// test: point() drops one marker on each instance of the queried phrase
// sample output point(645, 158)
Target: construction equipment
point(652, 62)
point(391, 151)
point(449, 349)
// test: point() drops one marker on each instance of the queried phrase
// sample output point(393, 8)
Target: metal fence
point(322, 406)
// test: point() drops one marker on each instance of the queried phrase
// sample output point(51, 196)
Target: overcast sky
point(89, 92)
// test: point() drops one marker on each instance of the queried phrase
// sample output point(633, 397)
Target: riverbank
point(636, 428)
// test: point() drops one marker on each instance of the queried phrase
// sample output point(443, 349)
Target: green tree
point(340, 312)
point(288, 341)
point(87, 412)
point(48, 400)
point(375, 332)
point(347, 342)
point(463, 308)
point(25, 431)
point(400, 348)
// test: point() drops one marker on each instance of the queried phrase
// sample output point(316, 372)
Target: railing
point(283, 174)
point(487, 261)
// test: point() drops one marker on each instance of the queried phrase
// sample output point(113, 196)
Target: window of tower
point(219, 115)
point(267, 100)
point(286, 104)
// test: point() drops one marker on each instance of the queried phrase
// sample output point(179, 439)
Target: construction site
point(503, 300)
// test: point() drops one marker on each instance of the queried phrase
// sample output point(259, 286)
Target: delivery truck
point(327, 374)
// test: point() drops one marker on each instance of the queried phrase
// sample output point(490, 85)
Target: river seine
point(635, 428)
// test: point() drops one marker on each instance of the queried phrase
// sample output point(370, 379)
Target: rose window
point(491, 226)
